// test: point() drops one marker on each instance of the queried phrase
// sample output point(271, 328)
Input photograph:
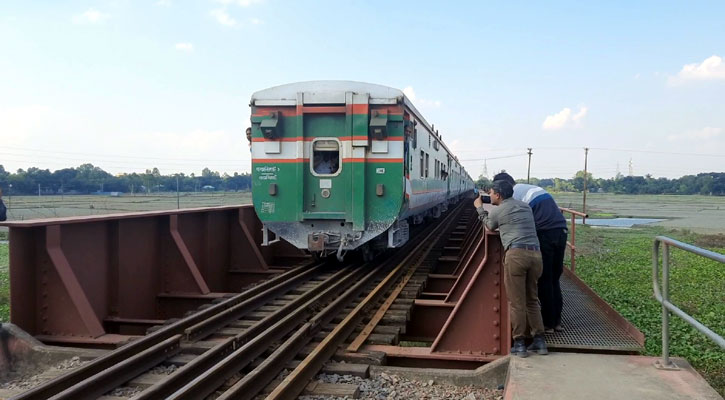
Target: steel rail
point(294, 383)
point(208, 359)
point(380, 313)
point(223, 318)
point(572, 243)
point(121, 372)
point(118, 356)
point(256, 380)
point(270, 367)
point(205, 382)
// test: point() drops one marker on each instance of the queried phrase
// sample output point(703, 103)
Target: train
point(343, 165)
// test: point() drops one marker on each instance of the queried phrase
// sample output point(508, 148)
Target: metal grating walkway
point(587, 326)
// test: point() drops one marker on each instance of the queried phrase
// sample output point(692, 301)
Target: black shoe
point(539, 345)
point(519, 348)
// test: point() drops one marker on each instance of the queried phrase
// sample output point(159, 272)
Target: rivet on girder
point(495, 336)
point(495, 323)
point(495, 350)
point(495, 309)
point(495, 295)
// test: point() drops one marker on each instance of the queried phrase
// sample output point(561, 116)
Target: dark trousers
point(553, 246)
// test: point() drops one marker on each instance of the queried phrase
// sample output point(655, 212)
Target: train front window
point(326, 157)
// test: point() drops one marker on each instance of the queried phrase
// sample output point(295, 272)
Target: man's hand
point(479, 201)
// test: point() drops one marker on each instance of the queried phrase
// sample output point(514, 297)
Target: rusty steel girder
point(98, 279)
point(470, 315)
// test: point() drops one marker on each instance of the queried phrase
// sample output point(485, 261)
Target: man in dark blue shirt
point(552, 232)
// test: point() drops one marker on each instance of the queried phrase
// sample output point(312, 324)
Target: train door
point(326, 177)
point(334, 139)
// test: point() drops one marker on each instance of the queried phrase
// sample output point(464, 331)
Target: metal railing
point(572, 242)
point(663, 296)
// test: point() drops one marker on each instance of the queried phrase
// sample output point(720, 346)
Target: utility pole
point(528, 172)
point(39, 190)
point(177, 192)
point(584, 204)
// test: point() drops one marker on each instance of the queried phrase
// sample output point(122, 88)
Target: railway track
point(237, 348)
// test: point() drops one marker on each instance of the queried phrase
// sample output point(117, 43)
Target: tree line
point(709, 183)
point(88, 179)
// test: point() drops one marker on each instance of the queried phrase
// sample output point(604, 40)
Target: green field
point(617, 264)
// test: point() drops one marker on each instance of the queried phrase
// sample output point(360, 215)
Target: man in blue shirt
point(551, 231)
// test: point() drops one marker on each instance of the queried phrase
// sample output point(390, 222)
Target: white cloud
point(188, 47)
point(256, 21)
point(223, 17)
point(164, 3)
point(558, 120)
point(564, 119)
point(409, 92)
point(580, 115)
point(705, 133)
point(91, 16)
point(712, 68)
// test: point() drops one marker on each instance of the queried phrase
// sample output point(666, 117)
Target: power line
point(658, 152)
point(495, 158)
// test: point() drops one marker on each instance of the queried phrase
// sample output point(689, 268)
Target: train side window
point(422, 162)
point(325, 157)
point(427, 163)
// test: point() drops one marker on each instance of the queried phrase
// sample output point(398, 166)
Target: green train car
point(339, 165)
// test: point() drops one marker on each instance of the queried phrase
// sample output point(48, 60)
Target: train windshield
point(326, 157)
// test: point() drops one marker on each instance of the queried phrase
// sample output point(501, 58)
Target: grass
point(617, 264)
point(4, 284)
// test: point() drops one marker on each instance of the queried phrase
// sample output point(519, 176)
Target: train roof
point(333, 91)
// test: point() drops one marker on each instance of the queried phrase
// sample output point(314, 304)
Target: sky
point(132, 85)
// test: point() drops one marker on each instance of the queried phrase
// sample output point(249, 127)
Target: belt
point(531, 247)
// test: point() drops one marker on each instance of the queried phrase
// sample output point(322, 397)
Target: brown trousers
point(522, 269)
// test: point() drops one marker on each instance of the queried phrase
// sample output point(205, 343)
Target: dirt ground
point(701, 214)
